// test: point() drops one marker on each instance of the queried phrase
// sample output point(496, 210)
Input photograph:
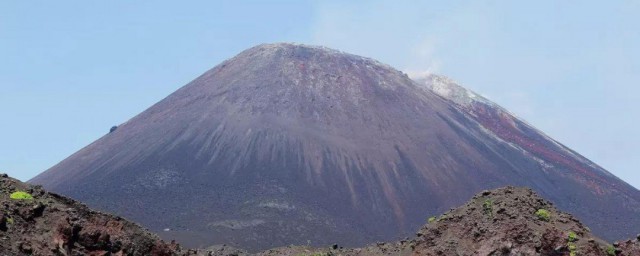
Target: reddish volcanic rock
point(291, 144)
point(627, 248)
point(49, 224)
point(504, 222)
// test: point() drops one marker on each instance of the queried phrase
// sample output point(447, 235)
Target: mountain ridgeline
point(293, 144)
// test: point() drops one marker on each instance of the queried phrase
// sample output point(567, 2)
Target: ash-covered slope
point(292, 144)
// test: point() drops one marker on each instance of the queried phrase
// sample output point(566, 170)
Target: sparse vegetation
point(432, 219)
point(21, 195)
point(611, 250)
point(487, 207)
point(573, 249)
point(10, 221)
point(543, 215)
point(571, 239)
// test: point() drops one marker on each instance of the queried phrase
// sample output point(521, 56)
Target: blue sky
point(69, 70)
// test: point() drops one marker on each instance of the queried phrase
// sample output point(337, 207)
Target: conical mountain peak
point(288, 143)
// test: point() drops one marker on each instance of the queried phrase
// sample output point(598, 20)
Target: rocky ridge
point(36, 222)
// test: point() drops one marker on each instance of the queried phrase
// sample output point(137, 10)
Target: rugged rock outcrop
point(42, 223)
point(292, 144)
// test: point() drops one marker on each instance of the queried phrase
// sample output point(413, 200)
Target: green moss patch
point(543, 215)
point(21, 195)
point(611, 250)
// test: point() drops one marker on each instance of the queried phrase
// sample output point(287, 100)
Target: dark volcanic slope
point(296, 144)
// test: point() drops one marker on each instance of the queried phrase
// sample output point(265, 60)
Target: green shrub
point(573, 249)
point(487, 207)
point(543, 215)
point(21, 195)
point(10, 221)
point(611, 250)
point(432, 219)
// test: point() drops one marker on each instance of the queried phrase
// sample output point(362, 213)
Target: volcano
point(294, 144)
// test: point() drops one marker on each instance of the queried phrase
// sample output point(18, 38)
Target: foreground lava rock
point(506, 221)
point(49, 224)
